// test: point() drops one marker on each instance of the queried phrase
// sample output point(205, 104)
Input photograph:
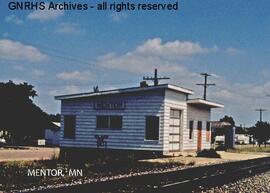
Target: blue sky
point(61, 52)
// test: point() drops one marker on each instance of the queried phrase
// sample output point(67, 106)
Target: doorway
point(175, 130)
point(199, 136)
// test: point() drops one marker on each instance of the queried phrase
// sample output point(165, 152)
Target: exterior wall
point(132, 134)
point(174, 100)
point(195, 113)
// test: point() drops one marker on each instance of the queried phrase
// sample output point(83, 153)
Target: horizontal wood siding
point(174, 100)
point(132, 134)
point(196, 114)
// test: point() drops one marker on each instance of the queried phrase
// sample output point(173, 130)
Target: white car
point(2, 141)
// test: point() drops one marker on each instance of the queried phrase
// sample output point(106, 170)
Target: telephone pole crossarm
point(205, 84)
point(155, 78)
point(261, 113)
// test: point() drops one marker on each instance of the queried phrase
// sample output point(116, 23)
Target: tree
point(55, 118)
point(19, 115)
point(228, 119)
point(260, 132)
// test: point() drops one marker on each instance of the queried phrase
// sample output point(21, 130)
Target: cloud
point(176, 49)
point(69, 28)
point(45, 15)
point(18, 67)
point(173, 58)
point(118, 16)
point(13, 19)
point(234, 51)
point(152, 54)
point(83, 76)
point(67, 89)
point(37, 73)
point(137, 64)
point(241, 99)
point(13, 50)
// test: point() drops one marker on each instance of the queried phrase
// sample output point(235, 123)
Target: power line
point(205, 84)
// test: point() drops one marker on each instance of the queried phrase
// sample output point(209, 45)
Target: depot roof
point(204, 103)
point(126, 90)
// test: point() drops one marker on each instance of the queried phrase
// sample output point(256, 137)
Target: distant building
point(158, 118)
point(242, 136)
point(223, 133)
point(52, 135)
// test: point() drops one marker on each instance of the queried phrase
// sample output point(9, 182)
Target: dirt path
point(28, 153)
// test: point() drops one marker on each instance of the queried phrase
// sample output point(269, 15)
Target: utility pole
point(261, 112)
point(205, 84)
point(155, 79)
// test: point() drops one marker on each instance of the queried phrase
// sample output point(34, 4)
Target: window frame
point(109, 118)
point(158, 129)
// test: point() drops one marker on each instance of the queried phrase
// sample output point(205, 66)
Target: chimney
point(143, 84)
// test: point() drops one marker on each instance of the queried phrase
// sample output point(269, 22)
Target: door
point(199, 136)
point(174, 130)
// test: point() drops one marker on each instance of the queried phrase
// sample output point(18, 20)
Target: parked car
point(2, 141)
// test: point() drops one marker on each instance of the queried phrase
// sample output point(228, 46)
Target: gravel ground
point(106, 176)
point(256, 184)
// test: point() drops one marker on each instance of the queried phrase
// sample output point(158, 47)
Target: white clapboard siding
point(196, 114)
point(132, 134)
point(174, 100)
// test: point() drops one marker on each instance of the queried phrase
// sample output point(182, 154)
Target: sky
point(64, 52)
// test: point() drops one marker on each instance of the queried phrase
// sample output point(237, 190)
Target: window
point(175, 114)
point(69, 126)
point(208, 131)
point(191, 126)
point(109, 122)
point(102, 122)
point(152, 128)
point(199, 126)
point(115, 122)
point(208, 128)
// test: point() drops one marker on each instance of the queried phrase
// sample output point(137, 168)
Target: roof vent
point(95, 89)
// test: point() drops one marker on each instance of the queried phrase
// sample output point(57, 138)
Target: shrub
point(210, 153)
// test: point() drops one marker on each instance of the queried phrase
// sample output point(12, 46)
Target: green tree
point(228, 119)
point(260, 132)
point(55, 118)
point(19, 115)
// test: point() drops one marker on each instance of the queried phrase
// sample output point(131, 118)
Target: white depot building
point(158, 118)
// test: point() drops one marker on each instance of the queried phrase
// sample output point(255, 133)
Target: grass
point(246, 149)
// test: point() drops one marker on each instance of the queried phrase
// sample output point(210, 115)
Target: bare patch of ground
point(199, 161)
point(28, 153)
point(242, 156)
